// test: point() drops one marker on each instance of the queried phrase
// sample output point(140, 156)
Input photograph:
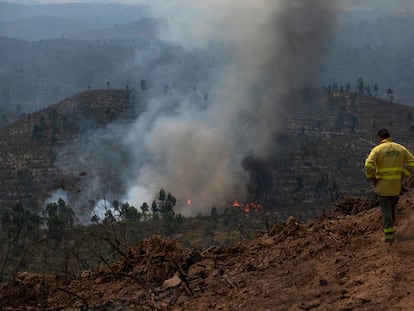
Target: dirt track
point(402, 254)
point(333, 263)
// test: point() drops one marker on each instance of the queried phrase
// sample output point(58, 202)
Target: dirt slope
point(336, 262)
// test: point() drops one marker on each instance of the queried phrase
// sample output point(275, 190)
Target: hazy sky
point(341, 4)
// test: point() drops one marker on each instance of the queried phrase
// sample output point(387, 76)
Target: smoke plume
point(191, 141)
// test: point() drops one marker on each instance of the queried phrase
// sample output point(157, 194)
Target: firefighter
point(385, 166)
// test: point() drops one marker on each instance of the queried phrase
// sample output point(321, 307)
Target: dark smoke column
point(262, 50)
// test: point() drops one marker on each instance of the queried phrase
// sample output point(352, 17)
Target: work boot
point(389, 238)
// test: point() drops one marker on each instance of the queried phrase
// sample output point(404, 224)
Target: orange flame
point(248, 207)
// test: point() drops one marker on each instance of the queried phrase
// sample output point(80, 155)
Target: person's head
point(383, 134)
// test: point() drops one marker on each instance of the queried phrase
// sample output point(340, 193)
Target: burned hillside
point(30, 146)
point(319, 155)
point(76, 146)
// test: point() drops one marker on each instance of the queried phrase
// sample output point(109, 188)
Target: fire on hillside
point(248, 206)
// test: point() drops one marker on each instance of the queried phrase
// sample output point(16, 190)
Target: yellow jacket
point(386, 165)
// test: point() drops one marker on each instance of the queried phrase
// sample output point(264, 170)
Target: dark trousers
point(388, 205)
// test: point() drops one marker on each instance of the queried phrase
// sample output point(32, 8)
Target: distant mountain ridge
point(39, 27)
point(37, 74)
point(375, 45)
point(101, 14)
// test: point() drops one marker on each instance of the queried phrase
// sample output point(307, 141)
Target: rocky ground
point(335, 262)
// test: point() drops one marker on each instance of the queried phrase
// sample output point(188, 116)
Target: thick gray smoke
point(260, 50)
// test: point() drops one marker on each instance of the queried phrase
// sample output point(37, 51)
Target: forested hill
point(322, 152)
point(29, 146)
point(328, 133)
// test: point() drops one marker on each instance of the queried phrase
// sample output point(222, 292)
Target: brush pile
point(336, 261)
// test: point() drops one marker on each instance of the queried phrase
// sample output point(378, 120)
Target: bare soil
point(335, 262)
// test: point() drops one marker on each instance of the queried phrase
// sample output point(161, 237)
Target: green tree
point(115, 205)
point(145, 209)
point(129, 212)
point(109, 217)
point(18, 223)
point(168, 204)
point(162, 196)
point(19, 227)
point(59, 218)
point(165, 209)
point(390, 94)
point(155, 211)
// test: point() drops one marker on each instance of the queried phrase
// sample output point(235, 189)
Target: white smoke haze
point(262, 50)
point(101, 208)
point(55, 196)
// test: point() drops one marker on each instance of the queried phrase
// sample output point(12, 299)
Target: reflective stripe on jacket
point(387, 163)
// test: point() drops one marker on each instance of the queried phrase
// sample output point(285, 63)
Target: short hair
point(383, 134)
